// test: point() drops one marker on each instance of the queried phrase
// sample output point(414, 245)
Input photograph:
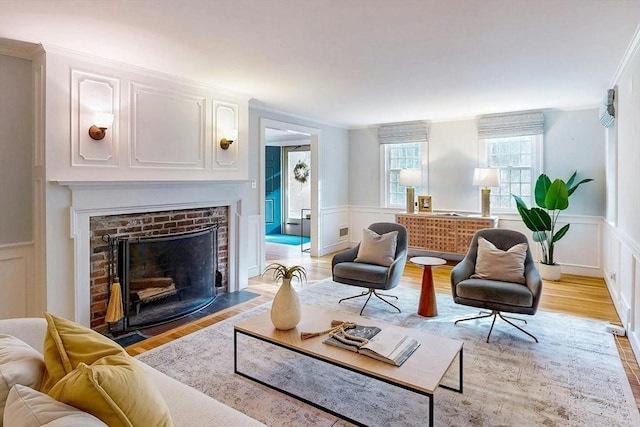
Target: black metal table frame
point(316, 405)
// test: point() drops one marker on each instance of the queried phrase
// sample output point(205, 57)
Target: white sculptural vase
point(285, 310)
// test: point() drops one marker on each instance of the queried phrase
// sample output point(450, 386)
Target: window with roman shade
point(402, 146)
point(512, 143)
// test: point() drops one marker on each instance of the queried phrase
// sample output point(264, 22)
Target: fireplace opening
point(167, 277)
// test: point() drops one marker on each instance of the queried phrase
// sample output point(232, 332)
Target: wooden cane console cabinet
point(443, 233)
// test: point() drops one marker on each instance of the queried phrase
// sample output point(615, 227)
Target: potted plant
point(285, 309)
point(551, 198)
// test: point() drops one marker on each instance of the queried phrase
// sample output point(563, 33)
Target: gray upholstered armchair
point(372, 276)
point(495, 295)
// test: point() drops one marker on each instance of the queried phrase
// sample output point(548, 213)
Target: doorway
point(298, 141)
point(297, 190)
point(287, 186)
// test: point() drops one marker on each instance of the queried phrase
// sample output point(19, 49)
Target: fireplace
point(167, 277)
point(167, 232)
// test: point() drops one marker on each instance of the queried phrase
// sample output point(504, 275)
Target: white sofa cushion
point(190, 407)
point(19, 364)
point(30, 408)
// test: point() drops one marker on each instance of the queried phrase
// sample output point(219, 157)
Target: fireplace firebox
point(167, 277)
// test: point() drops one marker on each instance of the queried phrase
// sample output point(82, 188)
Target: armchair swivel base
point(370, 292)
point(495, 314)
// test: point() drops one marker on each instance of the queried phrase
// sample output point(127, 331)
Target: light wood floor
point(575, 295)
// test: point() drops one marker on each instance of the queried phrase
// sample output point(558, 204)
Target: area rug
point(573, 377)
point(287, 239)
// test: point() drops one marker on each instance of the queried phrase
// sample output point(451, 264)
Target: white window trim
point(536, 170)
point(384, 175)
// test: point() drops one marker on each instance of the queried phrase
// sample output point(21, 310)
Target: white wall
point(17, 276)
point(331, 155)
point(622, 230)
point(453, 153)
point(574, 140)
point(16, 142)
point(161, 152)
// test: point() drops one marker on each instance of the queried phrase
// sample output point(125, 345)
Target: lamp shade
point(410, 177)
point(486, 177)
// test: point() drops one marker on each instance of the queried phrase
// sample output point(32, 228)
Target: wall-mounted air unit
point(607, 109)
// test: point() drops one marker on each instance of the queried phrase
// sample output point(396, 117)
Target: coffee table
point(427, 306)
point(421, 373)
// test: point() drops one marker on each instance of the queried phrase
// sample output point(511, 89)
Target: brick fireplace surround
point(144, 225)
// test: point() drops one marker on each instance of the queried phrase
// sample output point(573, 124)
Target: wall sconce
point(486, 177)
point(410, 178)
point(230, 136)
point(101, 121)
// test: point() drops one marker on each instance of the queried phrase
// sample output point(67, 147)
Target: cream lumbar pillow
point(377, 249)
point(19, 364)
point(30, 408)
point(495, 264)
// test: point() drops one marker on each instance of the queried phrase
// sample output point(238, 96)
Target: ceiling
point(355, 63)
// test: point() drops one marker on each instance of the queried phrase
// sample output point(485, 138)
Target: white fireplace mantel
point(90, 199)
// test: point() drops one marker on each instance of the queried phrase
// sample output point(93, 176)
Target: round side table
point(427, 306)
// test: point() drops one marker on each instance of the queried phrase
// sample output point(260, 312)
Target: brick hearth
point(144, 225)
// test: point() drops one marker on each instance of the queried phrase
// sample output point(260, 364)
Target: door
point(273, 190)
point(297, 182)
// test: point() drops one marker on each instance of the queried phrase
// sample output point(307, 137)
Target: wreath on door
point(301, 172)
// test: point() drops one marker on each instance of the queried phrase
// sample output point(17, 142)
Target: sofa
point(186, 406)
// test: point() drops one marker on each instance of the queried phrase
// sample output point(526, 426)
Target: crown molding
point(20, 49)
point(627, 57)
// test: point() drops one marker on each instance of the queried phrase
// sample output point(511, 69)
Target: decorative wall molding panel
point(255, 251)
point(16, 281)
point(167, 128)
point(579, 252)
point(622, 275)
point(93, 93)
point(361, 217)
point(332, 220)
point(163, 130)
point(225, 122)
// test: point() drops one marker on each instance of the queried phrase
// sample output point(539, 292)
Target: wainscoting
point(622, 275)
point(17, 281)
point(579, 252)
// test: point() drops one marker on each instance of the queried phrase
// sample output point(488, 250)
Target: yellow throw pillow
point(495, 264)
point(116, 390)
point(377, 249)
point(68, 344)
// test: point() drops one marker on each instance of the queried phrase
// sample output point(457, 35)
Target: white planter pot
point(285, 310)
point(550, 272)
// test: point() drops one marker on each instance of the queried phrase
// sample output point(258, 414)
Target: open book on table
point(383, 344)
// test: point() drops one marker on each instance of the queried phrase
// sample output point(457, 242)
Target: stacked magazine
point(384, 345)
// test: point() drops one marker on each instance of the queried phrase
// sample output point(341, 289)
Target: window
point(519, 159)
point(397, 157)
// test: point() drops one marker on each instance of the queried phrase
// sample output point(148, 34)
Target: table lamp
point(410, 178)
point(486, 177)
